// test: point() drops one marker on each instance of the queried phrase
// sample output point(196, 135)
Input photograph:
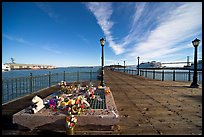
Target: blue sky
point(68, 33)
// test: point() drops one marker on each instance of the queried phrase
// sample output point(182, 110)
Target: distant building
point(199, 65)
point(152, 64)
point(15, 66)
point(5, 67)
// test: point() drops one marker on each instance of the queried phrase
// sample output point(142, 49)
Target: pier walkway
point(145, 106)
point(154, 107)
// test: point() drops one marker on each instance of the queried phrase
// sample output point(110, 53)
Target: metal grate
point(99, 102)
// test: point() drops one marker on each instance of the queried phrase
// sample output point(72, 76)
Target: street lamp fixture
point(194, 84)
point(102, 41)
point(138, 65)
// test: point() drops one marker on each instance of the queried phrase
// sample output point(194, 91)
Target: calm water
point(21, 84)
point(25, 73)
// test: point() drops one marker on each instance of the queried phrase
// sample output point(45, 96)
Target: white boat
point(5, 67)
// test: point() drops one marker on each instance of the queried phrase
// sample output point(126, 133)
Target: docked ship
point(152, 64)
point(5, 67)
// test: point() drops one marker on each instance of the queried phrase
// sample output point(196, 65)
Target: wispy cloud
point(157, 30)
point(103, 11)
point(84, 39)
point(17, 39)
point(51, 49)
point(181, 24)
point(45, 7)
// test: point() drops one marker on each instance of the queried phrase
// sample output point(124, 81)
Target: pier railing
point(14, 88)
point(164, 74)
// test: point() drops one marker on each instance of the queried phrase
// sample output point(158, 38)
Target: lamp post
point(194, 83)
point(124, 65)
point(102, 41)
point(118, 66)
point(138, 65)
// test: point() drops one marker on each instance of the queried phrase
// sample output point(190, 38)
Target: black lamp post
point(118, 66)
point(138, 65)
point(194, 83)
point(102, 41)
point(124, 65)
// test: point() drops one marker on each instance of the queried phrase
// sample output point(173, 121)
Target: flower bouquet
point(70, 124)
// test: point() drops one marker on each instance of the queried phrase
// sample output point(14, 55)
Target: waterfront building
point(16, 66)
point(5, 67)
point(152, 64)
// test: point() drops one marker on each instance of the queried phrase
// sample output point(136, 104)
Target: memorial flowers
point(107, 90)
point(71, 121)
point(72, 100)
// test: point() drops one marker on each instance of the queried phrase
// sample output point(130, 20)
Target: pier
point(145, 107)
point(154, 107)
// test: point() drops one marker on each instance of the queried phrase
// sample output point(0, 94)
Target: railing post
point(12, 88)
point(77, 76)
point(146, 73)
point(189, 75)
point(162, 75)
point(34, 84)
point(173, 75)
point(3, 91)
point(154, 74)
point(64, 76)
point(90, 75)
point(57, 74)
point(49, 76)
point(20, 85)
point(7, 89)
point(16, 86)
point(31, 83)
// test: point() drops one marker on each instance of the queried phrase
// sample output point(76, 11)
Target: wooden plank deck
point(154, 107)
point(145, 106)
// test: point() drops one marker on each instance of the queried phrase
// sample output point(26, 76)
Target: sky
point(67, 34)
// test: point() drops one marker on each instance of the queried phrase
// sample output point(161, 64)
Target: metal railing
point(164, 74)
point(14, 88)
